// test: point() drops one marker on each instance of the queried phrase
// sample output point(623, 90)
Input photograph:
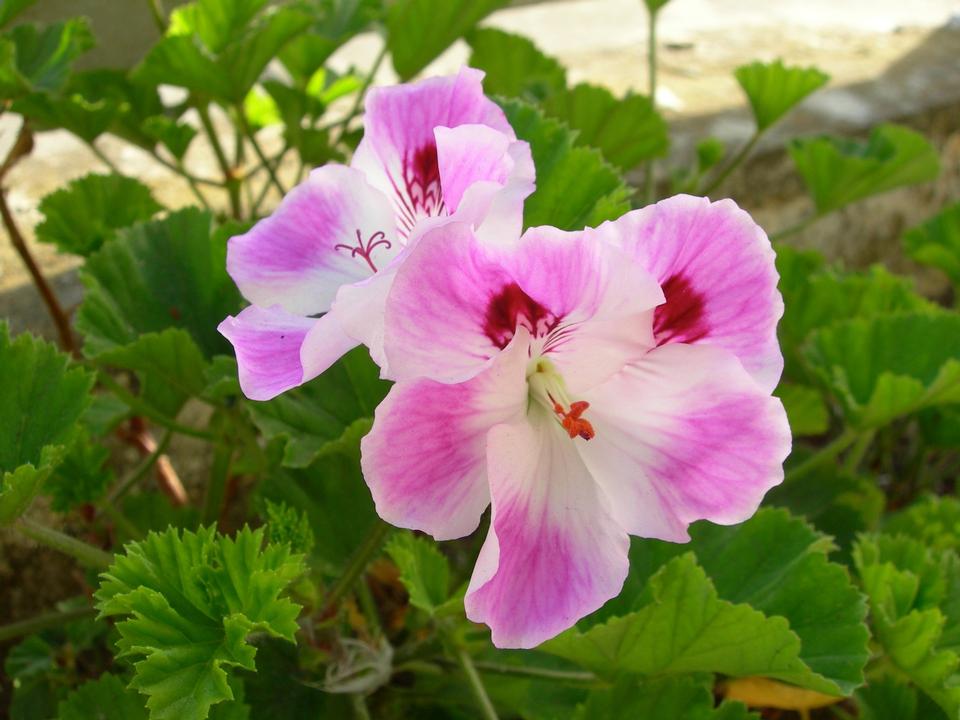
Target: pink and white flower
point(588, 386)
point(431, 150)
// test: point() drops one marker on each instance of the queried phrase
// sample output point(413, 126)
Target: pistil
point(548, 388)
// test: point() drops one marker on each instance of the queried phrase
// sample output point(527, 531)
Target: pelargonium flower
point(588, 386)
point(430, 150)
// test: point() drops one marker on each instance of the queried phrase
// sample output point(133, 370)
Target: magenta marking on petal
point(681, 317)
point(512, 307)
point(364, 251)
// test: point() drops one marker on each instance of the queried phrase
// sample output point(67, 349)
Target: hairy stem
point(476, 684)
point(264, 161)
point(159, 15)
point(358, 563)
point(823, 455)
point(230, 179)
point(733, 164)
point(84, 553)
point(649, 189)
point(794, 229)
point(216, 488)
point(46, 621)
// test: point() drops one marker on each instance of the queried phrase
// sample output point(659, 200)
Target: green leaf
point(839, 171)
point(174, 136)
point(886, 699)
point(289, 525)
point(686, 696)
point(514, 66)
point(419, 30)
point(39, 406)
point(915, 612)
point(933, 520)
point(333, 494)
point(937, 242)
point(169, 365)
point(85, 119)
point(161, 274)
point(686, 628)
point(424, 571)
point(190, 601)
point(9, 9)
point(103, 699)
point(82, 216)
point(806, 409)
point(575, 187)
point(773, 89)
point(863, 362)
point(792, 579)
point(81, 477)
point(311, 416)
point(626, 131)
point(221, 62)
point(333, 23)
point(43, 55)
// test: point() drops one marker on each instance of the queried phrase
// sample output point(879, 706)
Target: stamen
point(572, 422)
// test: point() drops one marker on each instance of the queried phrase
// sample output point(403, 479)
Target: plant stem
point(536, 673)
point(649, 189)
point(159, 16)
point(178, 168)
point(140, 471)
point(216, 489)
point(476, 684)
point(361, 94)
point(859, 449)
point(121, 521)
point(46, 621)
point(252, 137)
point(84, 553)
point(794, 229)
point(824, 454)
point(230, 179)
point(733, 164)
point(101, 156)
point(359, 706)
point(358, 563)
point(142, 408)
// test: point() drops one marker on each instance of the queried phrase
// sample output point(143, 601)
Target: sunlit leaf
point(83, 215)
point(85, 119)
point(864, 364)
point(514, 66)
point(333, 22)
point(933, 520)
point(40, 404)
point(419, 30)
point(160, 274)
point(575, 187)
point(773, 89)
point(937, 242)
point(686, 696)
point(42, 55)
point(839, 171)
point(187, 603)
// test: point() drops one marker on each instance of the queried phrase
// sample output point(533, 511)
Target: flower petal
point(717, 270)
point(684, 434)
point(425, 458)
point(267, 343)
point(398, 153)
point(332, 229)
point(554, 553)
point(603, 301)
point(436, 322)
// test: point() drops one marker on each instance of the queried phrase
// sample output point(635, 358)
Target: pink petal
point(603, 300)
point(399, 151)
point(332, 229)
point(437, 323)
point(554, 553)
point(425, 458)
point(717, 270)
point(267, 343)
point(684, 434)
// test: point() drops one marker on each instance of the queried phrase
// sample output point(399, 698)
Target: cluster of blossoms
point(587, 386)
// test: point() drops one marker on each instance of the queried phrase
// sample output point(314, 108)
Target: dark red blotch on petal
point(682, 317)
point(512, 307)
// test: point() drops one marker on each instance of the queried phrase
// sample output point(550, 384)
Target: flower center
point(548, 389)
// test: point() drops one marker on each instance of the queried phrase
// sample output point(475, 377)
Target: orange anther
point(572, 422)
